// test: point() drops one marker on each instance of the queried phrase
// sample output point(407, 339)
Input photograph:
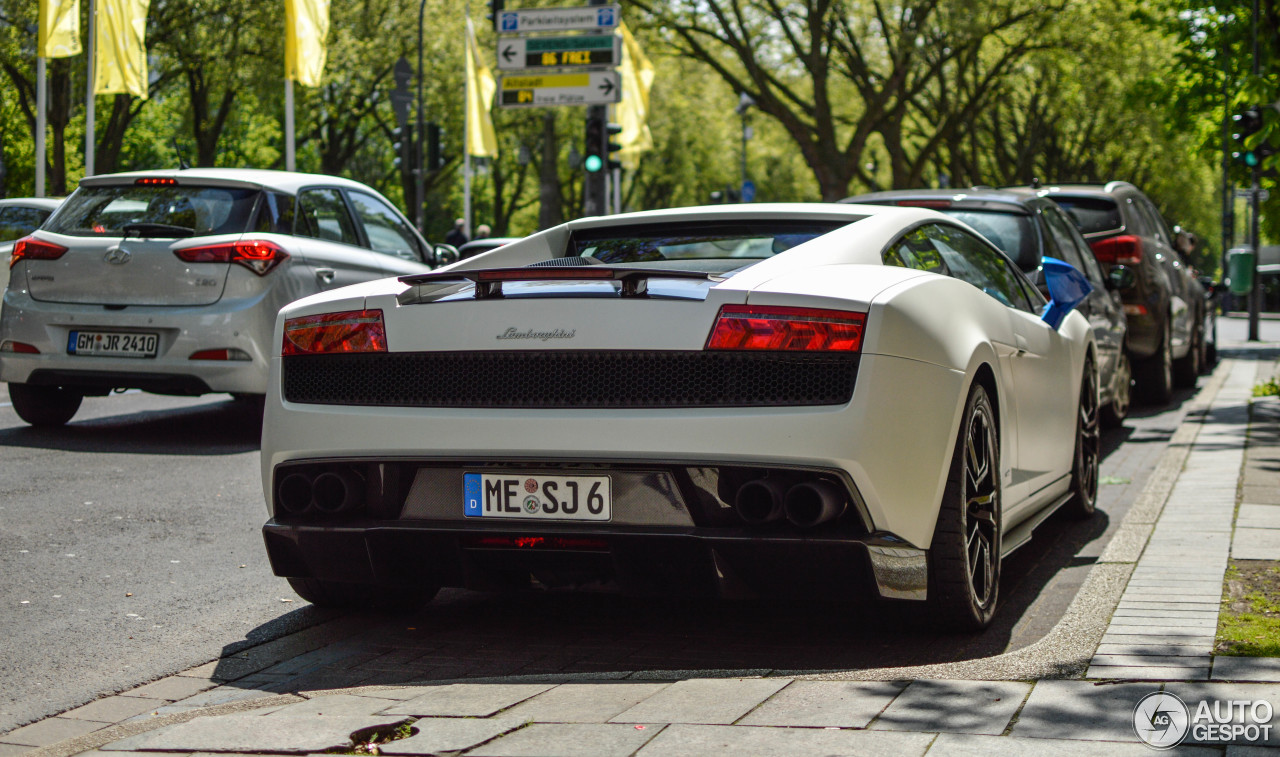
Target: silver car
point(170, 281)
point(19, 217)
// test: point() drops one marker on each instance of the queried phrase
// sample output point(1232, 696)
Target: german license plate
point(112, 344)
point(531, 496)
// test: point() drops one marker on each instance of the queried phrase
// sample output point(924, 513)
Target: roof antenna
point(182, 159)
point(1035, 182)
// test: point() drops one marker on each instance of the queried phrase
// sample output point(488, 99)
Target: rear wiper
point(488, 281)
point(163, 230)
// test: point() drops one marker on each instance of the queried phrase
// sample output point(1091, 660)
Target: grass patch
point(1112, 480)
point(1268, 388)
point(1249, 622)
point(367, 740)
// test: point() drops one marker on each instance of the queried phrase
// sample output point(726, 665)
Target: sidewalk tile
point(570, 740)
point(1215, 693)
point(708, 701)
point(468, 699)
point(1260, 495)
point(1144, 660)
point(1161, 650)
point(435, 735)
point(246, 733)
point(50, 731)
point(969, 745)
point(111, 709)
point(172, 688)
point(14, 750)
point(1081, 710)
point(826, 704)
point(682, 740)
point(585, 702)
point(954, 707)
point(1246, 669)
point(233, 692)
point(334, 704)
point(1256, 544)
point(1150, 673)
point(1258, 516)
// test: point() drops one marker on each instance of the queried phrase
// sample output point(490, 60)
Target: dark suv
point(1028, 228)
point(1166, 303)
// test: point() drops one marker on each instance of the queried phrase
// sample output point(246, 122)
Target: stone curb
point(1071, 643)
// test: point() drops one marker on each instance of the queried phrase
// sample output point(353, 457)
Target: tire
point(1155, 374)
point(964, 556)
point(1115, 411)
point(338, 594)
point(44, 405)
point(1084, 464)
point(1187, 369)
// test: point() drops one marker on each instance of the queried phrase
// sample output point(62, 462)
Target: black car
point(1166, 304)
point(1028, 228)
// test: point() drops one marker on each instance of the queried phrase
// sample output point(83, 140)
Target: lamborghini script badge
point(514, 333)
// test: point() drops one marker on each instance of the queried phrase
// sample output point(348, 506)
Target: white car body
point(928, 339)
point(212, 321)
point(19, 216)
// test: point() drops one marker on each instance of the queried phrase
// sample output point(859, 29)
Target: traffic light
point(397, 143)
point(596, 148)
point(495, 7)
point(610, 146)
point(1244, 125)
point(435, 154)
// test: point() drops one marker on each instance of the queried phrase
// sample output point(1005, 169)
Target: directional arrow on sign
point(607, 87)
point(508, 52)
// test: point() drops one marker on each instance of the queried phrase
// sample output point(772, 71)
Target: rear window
point(1094, 215)
point(16, 222)
point(1011, 232)
point(697, 246)
point(106, 210)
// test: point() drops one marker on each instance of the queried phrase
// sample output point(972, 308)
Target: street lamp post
point(745, 101)
point(419, 181)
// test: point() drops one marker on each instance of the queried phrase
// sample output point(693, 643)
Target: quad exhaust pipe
point(805, 504)
point(330, 493)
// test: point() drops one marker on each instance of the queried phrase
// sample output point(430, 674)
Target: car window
point(1062, 239)
point(1090, 267)
point(106, 210)
point(916, 250)
point(322, 214)
point(275, 214)
point(1154, 220)
point(1011, 232)
point(16, 222)
point(383, 228)
point(965, 257)
point(1094, 215)
point(1136, 220)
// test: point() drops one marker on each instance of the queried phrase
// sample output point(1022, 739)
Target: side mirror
point(1120, 277)
point(1211, 287)
point(444, 254)
point(1067, 289)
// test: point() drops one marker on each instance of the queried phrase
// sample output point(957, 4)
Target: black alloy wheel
point(1155, 374)
point(44, 405)
point(1084, 466)
point(1115, 411)
point(964, 557)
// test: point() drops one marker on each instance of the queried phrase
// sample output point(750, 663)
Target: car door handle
point(325, 275)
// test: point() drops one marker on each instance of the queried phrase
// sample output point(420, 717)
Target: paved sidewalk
point(1143, 623)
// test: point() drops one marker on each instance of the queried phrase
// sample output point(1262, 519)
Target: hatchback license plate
point(533, 496)
point(112, 344)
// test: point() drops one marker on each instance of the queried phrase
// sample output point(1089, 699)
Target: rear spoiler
point(488, 282)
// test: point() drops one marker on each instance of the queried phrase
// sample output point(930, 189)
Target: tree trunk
point(551, 212)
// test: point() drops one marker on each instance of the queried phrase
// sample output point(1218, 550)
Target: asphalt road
point(130, 549)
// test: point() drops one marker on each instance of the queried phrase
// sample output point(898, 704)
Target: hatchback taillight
point(1125, 249)
point(766, 327)
point(30, 248)
point(258, 255)
point(352, 331)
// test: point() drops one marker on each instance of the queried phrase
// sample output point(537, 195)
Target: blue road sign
point(748, 191)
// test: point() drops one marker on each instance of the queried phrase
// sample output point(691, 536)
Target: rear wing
point(488, 282)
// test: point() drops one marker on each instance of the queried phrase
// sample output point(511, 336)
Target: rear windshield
point(16, 222)
point(699, 246)
point(93, 211)
point(1094, 215)
point(1011, 232)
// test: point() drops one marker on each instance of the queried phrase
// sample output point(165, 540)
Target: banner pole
point(42, 95)
point(290, 158)
point(90, 101)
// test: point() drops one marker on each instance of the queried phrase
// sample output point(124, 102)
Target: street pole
point(1255, 297)
point(419, 180)
point(90, 100)
point(42, 95)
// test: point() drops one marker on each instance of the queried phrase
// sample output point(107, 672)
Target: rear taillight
point(258, 255)
point(1125, 249)
point(228, 353)
point(352, 331)
point(30, 248)
point(936, 204)
point(156, 182)
point(22, 347)
point(764, 327)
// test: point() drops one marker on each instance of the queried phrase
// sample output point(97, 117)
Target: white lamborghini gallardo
point(799, 399)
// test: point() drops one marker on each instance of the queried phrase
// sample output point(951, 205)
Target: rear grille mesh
point(570, 379)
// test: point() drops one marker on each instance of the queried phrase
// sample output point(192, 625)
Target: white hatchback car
point(170, 281)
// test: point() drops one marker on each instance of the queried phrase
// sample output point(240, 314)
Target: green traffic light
point(593, 163)
point(1250, 159)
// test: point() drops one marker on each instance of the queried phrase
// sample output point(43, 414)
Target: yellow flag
point(120, 63)
point(632, 112)
point(59, 35)
point(481, 141)
point(306, 29)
